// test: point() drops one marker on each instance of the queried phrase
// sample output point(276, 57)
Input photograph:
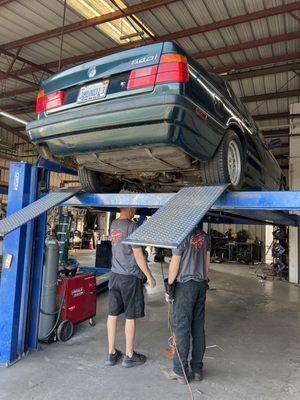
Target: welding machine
point(79, 304)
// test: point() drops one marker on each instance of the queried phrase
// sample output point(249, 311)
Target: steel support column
point(38, 254)
point(13, 265)
point(294, 183)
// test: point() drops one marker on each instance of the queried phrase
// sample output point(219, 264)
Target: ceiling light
point(118, 30)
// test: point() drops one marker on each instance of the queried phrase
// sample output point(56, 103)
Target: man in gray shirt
point(126, 295)
point(186, 286)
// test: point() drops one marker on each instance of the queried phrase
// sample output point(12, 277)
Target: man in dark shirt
point(188, 279)
point(126, 289)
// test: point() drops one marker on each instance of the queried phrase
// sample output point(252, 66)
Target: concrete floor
point(254, 324)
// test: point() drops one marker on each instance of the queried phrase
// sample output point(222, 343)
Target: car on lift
point(150, 119)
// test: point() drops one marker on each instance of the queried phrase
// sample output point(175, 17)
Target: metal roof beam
point(271, 96)
point(240, 19)
point(248, 45)
point(265, 117)
point(24, 60)
point(9, 129)
point(256, 63)
point(262, 72)
point(13, 93)
point(101, 19)
point(281, 156)
point(276, 133)
point(23, 106)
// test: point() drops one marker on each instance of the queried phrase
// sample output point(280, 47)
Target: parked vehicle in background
point(152, 119)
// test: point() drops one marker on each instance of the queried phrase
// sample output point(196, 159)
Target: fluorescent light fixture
point(120, 30)
point(10, 116)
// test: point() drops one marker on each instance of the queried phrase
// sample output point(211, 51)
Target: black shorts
point(126, 296)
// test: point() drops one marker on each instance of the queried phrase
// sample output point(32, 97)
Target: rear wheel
point(227, 166)
point(65, 330)
point(95, 182)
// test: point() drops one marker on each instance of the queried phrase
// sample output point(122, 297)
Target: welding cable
point(177, 351)
point(58, 312)
point(172, 339)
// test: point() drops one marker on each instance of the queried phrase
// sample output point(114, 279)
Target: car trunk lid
point(105, 78)
point(105, 67)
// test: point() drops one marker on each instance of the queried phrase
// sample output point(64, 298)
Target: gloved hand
point(170, 291)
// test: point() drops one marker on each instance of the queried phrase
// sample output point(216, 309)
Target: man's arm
point(207, 262)
point(174, 268)
point(142, 263)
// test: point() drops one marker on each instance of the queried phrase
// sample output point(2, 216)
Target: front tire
point(227, 165)
point(95, 182)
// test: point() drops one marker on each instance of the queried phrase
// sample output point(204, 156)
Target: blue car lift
point(24, 232)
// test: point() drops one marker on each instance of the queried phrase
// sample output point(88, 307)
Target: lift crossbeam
point(275, 200)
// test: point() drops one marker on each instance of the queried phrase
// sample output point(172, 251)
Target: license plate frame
point(92, 92)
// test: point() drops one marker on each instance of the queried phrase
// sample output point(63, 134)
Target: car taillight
point(142, 77)
point(172, 68)
point(47, 101)
point(40, 106)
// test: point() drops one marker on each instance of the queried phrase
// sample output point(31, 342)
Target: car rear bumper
point(146, 120)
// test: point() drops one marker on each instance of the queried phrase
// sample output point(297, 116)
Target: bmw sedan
point(150, 119)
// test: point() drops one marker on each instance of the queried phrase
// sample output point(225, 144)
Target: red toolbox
point(79, 293)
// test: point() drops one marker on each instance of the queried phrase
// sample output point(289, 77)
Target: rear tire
point(95, 182)
point(228, 164)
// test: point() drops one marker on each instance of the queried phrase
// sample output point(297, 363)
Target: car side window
point(198, 92)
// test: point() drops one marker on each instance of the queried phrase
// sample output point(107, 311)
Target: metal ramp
point(171, 224)
point(35, 209)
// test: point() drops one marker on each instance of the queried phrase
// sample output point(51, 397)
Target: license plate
point(93, 92)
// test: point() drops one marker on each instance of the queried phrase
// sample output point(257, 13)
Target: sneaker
point(172, 376)
point(197, 376)
point(112, 359)
point(134, 361)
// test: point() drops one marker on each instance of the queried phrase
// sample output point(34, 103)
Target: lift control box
point(80, 297)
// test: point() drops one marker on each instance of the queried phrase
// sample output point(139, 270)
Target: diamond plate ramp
point(35, 209)
point(171, 224)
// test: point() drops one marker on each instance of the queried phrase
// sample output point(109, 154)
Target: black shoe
point(134, 361)
point(197, 376)
point(112, 359)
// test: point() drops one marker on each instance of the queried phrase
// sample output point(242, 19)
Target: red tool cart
point(76, 296)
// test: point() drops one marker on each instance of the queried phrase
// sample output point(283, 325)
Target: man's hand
point(170, 291)
point(142, 263)
point(151, 281)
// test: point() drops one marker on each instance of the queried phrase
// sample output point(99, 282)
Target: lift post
point(15, 271)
